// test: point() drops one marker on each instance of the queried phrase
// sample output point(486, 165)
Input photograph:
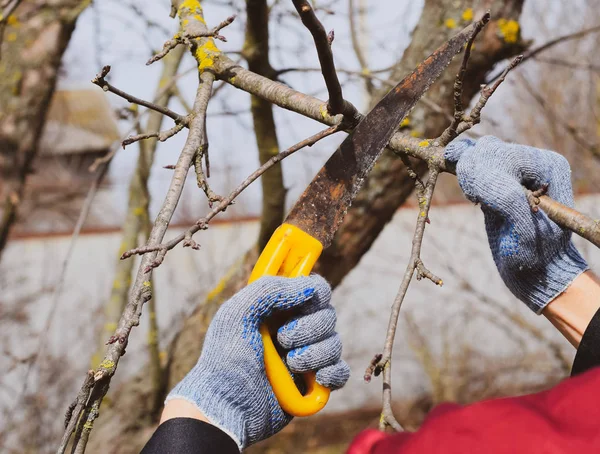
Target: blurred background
point(73, 200)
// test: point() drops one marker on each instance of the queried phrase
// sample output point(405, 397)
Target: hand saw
point(311, 224)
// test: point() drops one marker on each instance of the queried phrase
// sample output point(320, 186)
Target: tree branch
point(336, 104)
point(189, 12)
point(532, 53)
point(486, 93)
point(451, 132)
point(102, 83)
point(358, 51)
point(424, 197)
point(202, 223)
point(160, 135)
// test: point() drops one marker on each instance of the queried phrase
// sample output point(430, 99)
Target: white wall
point(455, 248)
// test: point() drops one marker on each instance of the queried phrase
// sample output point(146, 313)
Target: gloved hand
point(228, 384)
point(535, 257)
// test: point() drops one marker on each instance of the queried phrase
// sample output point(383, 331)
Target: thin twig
point(160, 135)
point(371, 367)
point(202, 177)
point(223, 204)
point(185, 38)
point(411, 173)
point(450, 133)
point(10, 8)
point(356, 45)
point(336, 104)
point(569, 64)
point(486, 93)
point(102, 83)
point(384, 364)
point(577, 136)
point(166, 88)
point(553, 42)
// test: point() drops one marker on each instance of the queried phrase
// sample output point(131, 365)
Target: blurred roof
point(78, 122)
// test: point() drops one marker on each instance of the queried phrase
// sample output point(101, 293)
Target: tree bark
point(386, 189)
point(35, 38)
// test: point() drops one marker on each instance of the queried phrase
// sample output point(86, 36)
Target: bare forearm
point(573, 309)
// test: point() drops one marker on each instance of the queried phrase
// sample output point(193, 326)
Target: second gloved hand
point(228, 384)
point(535, 257)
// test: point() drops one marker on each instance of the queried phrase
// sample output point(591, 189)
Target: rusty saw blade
point(321, 208)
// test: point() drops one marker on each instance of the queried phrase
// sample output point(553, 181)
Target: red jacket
point(564, 419)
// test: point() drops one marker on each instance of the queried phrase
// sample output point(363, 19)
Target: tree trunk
point(256, 53)
point(386, 189)
point(34, 40)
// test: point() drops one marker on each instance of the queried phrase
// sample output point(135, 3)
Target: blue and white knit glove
point(535, 257)
point(228, 384)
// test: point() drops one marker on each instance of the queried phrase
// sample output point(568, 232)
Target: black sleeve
point(189, 436)
point(588, 353)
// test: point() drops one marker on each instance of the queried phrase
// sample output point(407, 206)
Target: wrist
point(571, 311)
point(181, 408)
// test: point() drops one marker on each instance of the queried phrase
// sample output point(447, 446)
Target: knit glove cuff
point(538, 289)
point(206, 394)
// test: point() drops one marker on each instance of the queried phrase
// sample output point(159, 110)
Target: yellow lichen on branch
point(467, 15)
point(192, 20)
point(509, 29)
point(205, 54)
point(193, 6)
point(450, 23)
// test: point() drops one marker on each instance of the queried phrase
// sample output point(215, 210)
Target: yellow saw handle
point(290, 252)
